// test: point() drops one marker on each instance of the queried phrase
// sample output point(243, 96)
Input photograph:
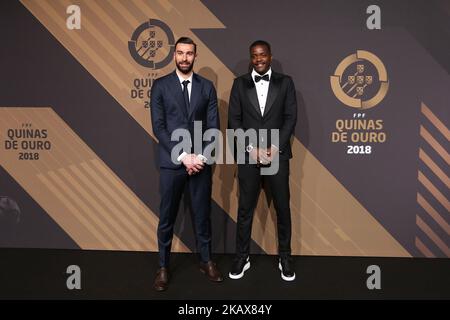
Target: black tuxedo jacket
point(169, 112)
point(280, 111)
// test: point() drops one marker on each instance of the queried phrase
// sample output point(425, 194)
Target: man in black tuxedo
point(263, 99)
point(177, 100)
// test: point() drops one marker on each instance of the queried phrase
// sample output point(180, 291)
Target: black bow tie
point(264, 77)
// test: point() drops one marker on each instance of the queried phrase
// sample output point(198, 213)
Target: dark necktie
point(264, 77)
point(186, 93)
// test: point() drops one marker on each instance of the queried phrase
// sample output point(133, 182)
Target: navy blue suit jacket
point(169, 112)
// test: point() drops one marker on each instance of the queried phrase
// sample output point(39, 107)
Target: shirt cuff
point(181, 156)
point(202, 158)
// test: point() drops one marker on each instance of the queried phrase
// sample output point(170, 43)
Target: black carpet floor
point(42, 274)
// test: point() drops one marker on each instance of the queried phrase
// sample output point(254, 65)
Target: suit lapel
point(178, 91)
point(251, 93)
point(195, 93)
point(274, 87)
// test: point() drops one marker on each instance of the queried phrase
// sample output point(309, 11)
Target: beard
point(185, 69)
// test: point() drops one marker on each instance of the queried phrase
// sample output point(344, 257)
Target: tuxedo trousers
point(250, 185)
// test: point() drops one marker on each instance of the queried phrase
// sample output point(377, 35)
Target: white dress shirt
point(189, 86)
point(262, 88)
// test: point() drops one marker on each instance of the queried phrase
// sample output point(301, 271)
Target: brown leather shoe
point(162, 279)
point(211, 271)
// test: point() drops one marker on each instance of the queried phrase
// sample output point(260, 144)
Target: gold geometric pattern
point(78, 190)
point(426, 181)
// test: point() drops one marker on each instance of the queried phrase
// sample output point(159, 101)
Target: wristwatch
point(249, 148)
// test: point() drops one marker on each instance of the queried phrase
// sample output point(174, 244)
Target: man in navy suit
point(263, 100)
point(177, 101)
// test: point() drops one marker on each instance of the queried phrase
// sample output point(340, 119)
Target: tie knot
point(185, 83)
point(264, 77)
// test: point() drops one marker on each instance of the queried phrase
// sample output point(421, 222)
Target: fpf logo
point(152, 44)
point(360, 80)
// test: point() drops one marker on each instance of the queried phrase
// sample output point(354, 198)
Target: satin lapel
point(195, 93)
point(251, 93)
point(178, 92)
point(274, 87)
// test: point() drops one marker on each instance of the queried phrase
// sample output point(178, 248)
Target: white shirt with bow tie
point(262, 89)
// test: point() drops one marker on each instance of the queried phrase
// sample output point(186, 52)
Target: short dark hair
point(186, 40)
point(260, 43)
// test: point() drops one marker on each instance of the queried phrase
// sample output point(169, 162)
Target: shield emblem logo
point(351, 79)
point(360, 79)
point(359, 91)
